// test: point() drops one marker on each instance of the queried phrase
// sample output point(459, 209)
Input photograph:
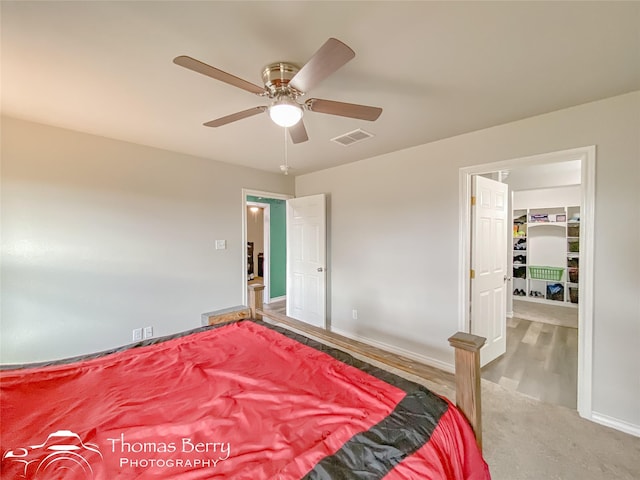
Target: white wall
point(544, 176)
point(547, 197)
point(101, 236)
point(394, 239)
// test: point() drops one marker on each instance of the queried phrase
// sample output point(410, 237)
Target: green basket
point(546, 273)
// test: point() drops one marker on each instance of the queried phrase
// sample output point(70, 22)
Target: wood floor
point(564, 316)
point(541, 362)
point(279, 307)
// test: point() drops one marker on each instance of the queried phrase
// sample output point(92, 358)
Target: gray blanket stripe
point(372, 454)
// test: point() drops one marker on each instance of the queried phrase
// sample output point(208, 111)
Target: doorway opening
point(258, 245)
point(264, 243)
point(541, 290)
point(541, 359)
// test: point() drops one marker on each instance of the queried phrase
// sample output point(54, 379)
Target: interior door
point(306, 259)
point(489, 237)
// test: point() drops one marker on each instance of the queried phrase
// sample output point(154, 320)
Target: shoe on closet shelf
point(519, 259)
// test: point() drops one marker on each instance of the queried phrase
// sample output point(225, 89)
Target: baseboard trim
point(432, 362)
point(276, 299)
point(616, 424)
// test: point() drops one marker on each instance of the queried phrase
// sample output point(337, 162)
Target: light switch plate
point(221, 244)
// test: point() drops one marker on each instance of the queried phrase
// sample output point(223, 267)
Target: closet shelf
point(547, 224)
point(554, 249)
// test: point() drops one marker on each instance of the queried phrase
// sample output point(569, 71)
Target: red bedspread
point(240, 402)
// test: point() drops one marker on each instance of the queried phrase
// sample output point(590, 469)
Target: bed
point(239, 400)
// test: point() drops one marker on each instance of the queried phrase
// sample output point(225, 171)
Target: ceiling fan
point(284, 84)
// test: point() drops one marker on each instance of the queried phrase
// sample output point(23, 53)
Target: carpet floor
point(526, 439)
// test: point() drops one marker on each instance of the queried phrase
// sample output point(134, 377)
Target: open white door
point(489, 266)
point(306, 259)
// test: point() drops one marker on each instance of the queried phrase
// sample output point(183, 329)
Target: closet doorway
point(572, 294)
point(541, 359)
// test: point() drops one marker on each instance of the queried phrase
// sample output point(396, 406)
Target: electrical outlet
point(354, 314)
point(137, 334)
point(148, 332)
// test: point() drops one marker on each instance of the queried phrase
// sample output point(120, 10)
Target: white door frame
point(587, 155)
point(254, 193)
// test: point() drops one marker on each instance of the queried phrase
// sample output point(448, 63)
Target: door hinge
point(473, 200)
point(473, 273)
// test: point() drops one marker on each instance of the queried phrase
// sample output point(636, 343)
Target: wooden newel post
point(468, 393)
point(255, 300)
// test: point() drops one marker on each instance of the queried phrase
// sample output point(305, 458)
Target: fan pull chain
point(286, 153)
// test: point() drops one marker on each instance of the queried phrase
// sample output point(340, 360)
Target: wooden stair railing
point(467, 355)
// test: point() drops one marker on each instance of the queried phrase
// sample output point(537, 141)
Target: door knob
point(320, 269)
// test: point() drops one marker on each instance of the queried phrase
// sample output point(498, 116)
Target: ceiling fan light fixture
point(284, 83)
point(285, 112)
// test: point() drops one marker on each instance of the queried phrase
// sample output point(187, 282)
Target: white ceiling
point(437, 69)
